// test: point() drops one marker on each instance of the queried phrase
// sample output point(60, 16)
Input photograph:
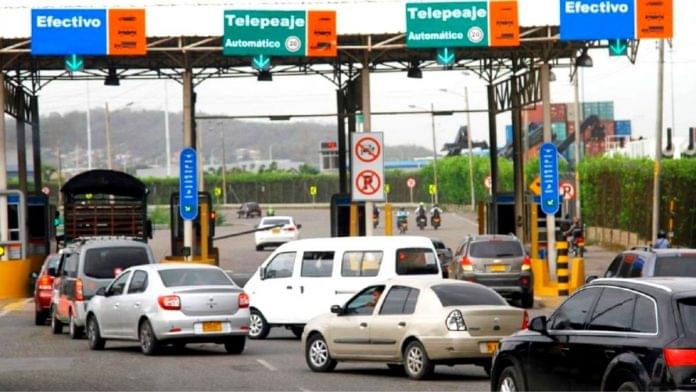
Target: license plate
point(497, 268)
point(489, 347)
point(212, 326)
point(275, 231)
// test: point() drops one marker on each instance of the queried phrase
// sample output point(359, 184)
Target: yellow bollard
point(354, 228)
point(205, 221)
point(388, 224)
point(534, 232)
point(543, 287)
point(562, 268)
point(577, 274)
point(14, 278)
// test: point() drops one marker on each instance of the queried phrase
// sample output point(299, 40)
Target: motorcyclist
point(420, 211)
point(662, 242)
point(270, 211)
point(401, 214)
point(436, 210)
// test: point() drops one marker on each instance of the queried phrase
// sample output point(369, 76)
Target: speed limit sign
point(411, 182)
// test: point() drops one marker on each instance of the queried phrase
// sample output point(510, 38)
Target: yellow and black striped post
point(562, 268)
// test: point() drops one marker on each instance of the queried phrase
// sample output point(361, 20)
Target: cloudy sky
point(631, 86)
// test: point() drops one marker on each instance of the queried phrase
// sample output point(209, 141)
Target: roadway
point(33, 359)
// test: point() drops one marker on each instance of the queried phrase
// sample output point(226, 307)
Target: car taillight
point(169, 302)
point(466, 264)
point(45, 282)
point(677, 357)
point(243, 300)
point(526, 263)
point(79, 290)
point(455, 321)
point(289, 229)
point(525, 320)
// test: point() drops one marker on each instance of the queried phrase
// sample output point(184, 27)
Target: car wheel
point(317, 355)
point(40, 317)
point(96, 342)
point(629, 386)
point(297, 331)
point(56, 325)
point(509, 380)
point(258, 327)
point(527, 300)
point(75, 331)
point(148, 341)
point(235, 345)
point(416, 362)
point(487, 368)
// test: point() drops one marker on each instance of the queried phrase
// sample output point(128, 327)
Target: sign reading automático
point(279, 33)
point(462, 24)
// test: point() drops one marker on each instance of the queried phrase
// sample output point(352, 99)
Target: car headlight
point(455, 321)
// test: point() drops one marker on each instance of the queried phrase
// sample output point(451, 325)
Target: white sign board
point(367, 170)
point(567, 190)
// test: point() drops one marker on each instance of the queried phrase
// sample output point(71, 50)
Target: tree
point(308, 169)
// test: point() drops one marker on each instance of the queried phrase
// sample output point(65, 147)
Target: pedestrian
point(662, 242)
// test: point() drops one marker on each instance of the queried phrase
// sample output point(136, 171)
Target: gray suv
point(496, 261)
point(646, 262)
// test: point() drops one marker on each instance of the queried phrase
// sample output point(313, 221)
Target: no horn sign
point(367, 169)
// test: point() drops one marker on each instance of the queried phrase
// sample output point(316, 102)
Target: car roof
point(173, 266)
point(661, 252)
point(359, 243)
point(104, 243)
point(423, 282)
point(652, 285)
point(494, 237)
point(277, 217)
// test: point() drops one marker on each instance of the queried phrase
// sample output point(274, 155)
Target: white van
point(303, 279)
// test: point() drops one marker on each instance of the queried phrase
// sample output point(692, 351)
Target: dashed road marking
point(14, 306)
point(267, 365)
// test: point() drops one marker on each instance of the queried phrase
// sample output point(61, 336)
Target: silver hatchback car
point(170, 304)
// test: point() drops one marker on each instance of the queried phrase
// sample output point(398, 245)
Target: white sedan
point(281, 229)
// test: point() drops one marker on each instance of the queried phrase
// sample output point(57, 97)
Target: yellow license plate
point(275, 231)
point(498, 268)
point(490, 347)
point(212, 326)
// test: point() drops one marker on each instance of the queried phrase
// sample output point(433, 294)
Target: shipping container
point(603, 110)
point(533, 114)
point(559, 131)
point(558, 113)
point(623, 128)
point(508, 135)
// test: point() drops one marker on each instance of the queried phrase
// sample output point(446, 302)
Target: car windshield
point(105, 263)
point(681, 265)
point(194, 277)
point(416, 261)
point(275, 222)
point(493, 249)
point(687, 311)
point(463, 295)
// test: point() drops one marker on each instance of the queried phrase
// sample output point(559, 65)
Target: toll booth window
point(317, 264)
point(361, 264)
point(415, 261)
point(105, 263)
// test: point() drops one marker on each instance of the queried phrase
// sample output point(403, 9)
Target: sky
point(631, 86)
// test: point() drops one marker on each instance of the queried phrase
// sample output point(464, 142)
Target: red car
point(43, 289)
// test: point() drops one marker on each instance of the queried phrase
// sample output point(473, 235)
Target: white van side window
point(281, 266)
point(317, 264)
point(361, 263)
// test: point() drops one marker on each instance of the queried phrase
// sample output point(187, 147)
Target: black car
point(444, 254)
point(613, 334)
point(249, 210)
point(642, 263)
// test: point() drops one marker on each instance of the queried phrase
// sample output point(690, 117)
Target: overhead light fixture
point(112, 78)
point(264, 76)
point(414, 71)
point(584, 60)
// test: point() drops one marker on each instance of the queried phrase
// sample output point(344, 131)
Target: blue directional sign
point(66, 32)
point(548, 173)
point(597, 19)
point(188, 184)
point(445, 56)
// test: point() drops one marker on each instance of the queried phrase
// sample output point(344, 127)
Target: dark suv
point(641, 262)
point(613, 334)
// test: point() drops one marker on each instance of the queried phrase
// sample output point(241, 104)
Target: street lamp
point(433, 113)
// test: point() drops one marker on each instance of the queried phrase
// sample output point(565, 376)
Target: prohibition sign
point(368, 182)
point(368, 149)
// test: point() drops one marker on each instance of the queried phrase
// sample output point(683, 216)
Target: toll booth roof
point(108, 182)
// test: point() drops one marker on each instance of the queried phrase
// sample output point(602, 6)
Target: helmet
point(661, 234)
point(422, 204)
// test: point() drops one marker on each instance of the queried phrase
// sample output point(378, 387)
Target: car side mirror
point(591, 278)
point(262, 273)
point(538, 324)
point(337, 309)
point(101, 292)
point(299, 226)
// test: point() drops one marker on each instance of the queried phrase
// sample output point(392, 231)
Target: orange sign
point(505, 25)
point(321, 34)
point(127, 32)
point(655, 19)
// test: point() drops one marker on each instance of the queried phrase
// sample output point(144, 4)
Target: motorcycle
point(576, 244)
point(435, 221)
point(402, 223)
point(422, 221)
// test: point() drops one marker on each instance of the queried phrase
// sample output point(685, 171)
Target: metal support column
point(578, 140)
point(367, 127)
point(189, 141)
point(4, 230)
point(658, 141)
point(107, 114)
point(341, 141)
point(493, 141)
point(21, 141)
point(36, 143)
point(550, 219)
point(518, 160)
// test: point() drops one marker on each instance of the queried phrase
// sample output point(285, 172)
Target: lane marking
point(267, 365)
point(14, 306)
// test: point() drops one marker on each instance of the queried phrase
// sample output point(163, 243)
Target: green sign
point(387, 188)
point(618, 47)
point(271, 33)
point(74, 63)
point(447, 25)
point(313, 190)
point(432, 189)
point(217, 191)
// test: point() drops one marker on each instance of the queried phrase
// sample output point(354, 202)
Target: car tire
point(149, 344)
point(629, 386)
point(258, 327)
point(487, 368)
point(235, 345)
point(417, 365)
point(56, 325)
point(509, 380)
point(75, 331)
point(96, 342)
point(527, 300)
point(297, 331)
point(317, 355)
point(40, 317)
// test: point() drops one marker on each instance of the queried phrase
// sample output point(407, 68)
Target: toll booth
point(341, 215)
point(505, 223)
point(201, 252)
point(15, 265)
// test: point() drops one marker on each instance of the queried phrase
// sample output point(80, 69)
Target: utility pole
point(168, 147)
point(4, 232)
point(550, 218)
point(224, 166)
point(60, 174)
point(89, 132)
point(578, 139)
point(109, 161)
point(367, 127)
point(658, 139)
point(471, 149)
point(432, 130)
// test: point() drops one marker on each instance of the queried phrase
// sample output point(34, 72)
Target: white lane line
point(14, 306)
point(267, 365)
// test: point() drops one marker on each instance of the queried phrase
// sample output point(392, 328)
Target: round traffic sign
point(313, 190)
point(368, 182)
point(567, 190)
point(368, 149)
point(411, 182)
point(488, 182)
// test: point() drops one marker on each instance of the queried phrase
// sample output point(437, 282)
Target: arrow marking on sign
point(261, 62)
point(618, 47)
point(74, 63)
point(445, 57)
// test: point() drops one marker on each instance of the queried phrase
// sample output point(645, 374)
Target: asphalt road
point(33, 359)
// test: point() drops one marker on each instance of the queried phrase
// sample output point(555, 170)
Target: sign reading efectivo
point(462, 24)
point(279, 33)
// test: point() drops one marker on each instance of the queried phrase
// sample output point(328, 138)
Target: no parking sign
point(367, 171)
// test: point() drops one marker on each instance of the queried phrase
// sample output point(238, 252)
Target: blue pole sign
point(548, 172)
point(68, 32)
point(188, 184)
